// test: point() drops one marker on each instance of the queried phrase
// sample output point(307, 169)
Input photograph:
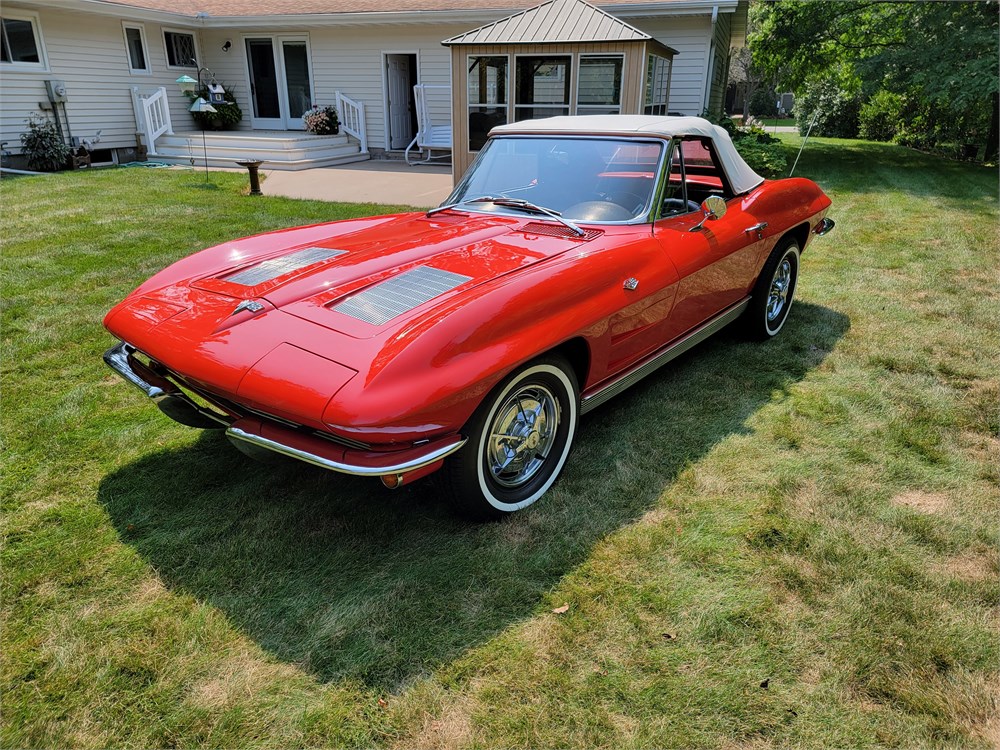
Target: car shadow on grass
point(353, 582)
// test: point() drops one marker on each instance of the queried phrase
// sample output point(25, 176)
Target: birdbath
point(252, 165)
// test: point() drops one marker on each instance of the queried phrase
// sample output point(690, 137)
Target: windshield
point(583, 179)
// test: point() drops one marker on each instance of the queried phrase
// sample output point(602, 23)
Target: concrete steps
point(278, 149)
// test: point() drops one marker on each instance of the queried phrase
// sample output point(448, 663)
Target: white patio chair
point(430, 136)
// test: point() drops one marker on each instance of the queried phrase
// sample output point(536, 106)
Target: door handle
point(758, 228)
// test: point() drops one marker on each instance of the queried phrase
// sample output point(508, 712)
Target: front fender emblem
point(631, 283)
point(248, 304)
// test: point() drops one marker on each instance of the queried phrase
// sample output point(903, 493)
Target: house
point(112, 66)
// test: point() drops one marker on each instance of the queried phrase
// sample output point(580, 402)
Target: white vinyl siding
point(689, 35)
point(87, 52)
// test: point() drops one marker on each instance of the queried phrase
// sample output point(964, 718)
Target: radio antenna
point(804, 142)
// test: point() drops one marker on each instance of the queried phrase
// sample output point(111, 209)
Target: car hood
point(220, 312)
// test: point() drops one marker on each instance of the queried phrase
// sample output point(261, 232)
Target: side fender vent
point(388, 299)
point(273, 268)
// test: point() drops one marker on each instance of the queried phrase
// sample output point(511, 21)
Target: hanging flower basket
point(322, 120)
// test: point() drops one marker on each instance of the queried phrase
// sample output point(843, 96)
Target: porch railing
point(152, 115)
point(352, 119)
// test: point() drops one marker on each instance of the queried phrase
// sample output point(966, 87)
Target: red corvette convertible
point(576, 256)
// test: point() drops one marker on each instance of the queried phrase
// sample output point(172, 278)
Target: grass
point(790, 544)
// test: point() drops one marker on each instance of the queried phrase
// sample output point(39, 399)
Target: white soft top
point(741, 177)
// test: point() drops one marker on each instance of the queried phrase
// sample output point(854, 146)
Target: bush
point(763, 103)
point(880, 117)
point(225, 117)
point(835, 109)
point(766, 159)
point(760, 150)
point(43, 146)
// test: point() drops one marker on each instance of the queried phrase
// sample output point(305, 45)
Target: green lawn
point(787, 544)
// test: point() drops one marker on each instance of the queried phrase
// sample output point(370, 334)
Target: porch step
point(278, 150)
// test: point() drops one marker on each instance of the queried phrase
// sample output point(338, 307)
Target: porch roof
point(554, 21)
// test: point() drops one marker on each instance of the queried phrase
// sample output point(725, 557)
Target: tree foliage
point(940, 56)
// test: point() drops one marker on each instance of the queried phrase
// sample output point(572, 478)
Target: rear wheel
point(519, 439)
point(773, 293)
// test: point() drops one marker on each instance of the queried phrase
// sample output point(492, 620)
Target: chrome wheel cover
point(777, 297)
point(521, 435)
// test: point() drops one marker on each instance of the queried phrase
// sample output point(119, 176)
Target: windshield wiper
point(518, 203)
point(480, 199)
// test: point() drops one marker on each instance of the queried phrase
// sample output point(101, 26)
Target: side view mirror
point(714, 208)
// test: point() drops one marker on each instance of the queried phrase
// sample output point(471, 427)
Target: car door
point(716, 263)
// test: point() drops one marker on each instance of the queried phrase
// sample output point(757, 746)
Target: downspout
point(711, 60)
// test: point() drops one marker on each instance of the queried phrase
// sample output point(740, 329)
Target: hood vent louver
point(271, 269)
point(388, 299)
point(551, 230)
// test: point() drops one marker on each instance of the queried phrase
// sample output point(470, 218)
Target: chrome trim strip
point(345, 468)
point(117, 359)
point(653, 363)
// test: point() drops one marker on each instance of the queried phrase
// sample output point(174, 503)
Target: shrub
point(880, 117)
point(766, 159)
point(760, 150)
point(225, 117)
point(834, 107)
point(43, 146)
point(763, 103)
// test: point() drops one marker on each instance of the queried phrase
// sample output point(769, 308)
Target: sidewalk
point(387, 182)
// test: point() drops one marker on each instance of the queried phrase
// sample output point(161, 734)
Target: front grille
point(235, 407)
point(384, 301)
point(275, 267)
point(341, 441)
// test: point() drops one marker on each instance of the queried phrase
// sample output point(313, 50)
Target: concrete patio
point(386, 182)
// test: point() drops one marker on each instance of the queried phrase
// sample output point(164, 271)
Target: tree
point(942, 56)
point(746, 71)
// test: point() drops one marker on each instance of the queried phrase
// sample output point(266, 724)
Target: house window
point(487, 96)
point(20, 43)
point(181, 52)
point(135, 45)
point(541, 86)
point(599, 90)
point(657, 85)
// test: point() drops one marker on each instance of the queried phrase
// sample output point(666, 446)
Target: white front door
point(400, 100)
point(280, 83)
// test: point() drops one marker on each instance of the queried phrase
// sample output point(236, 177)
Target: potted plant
point(322, 120)
point(226, 116)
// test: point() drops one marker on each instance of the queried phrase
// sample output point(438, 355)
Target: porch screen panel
point(297, 78)
point(599, 91)
point(487, 96)
point(657, 83)
point(542, 87)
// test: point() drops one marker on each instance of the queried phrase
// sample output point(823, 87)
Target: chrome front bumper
point(274, 437)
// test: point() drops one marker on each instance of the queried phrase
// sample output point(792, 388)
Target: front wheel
point(773, 293)
point(519, 439)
